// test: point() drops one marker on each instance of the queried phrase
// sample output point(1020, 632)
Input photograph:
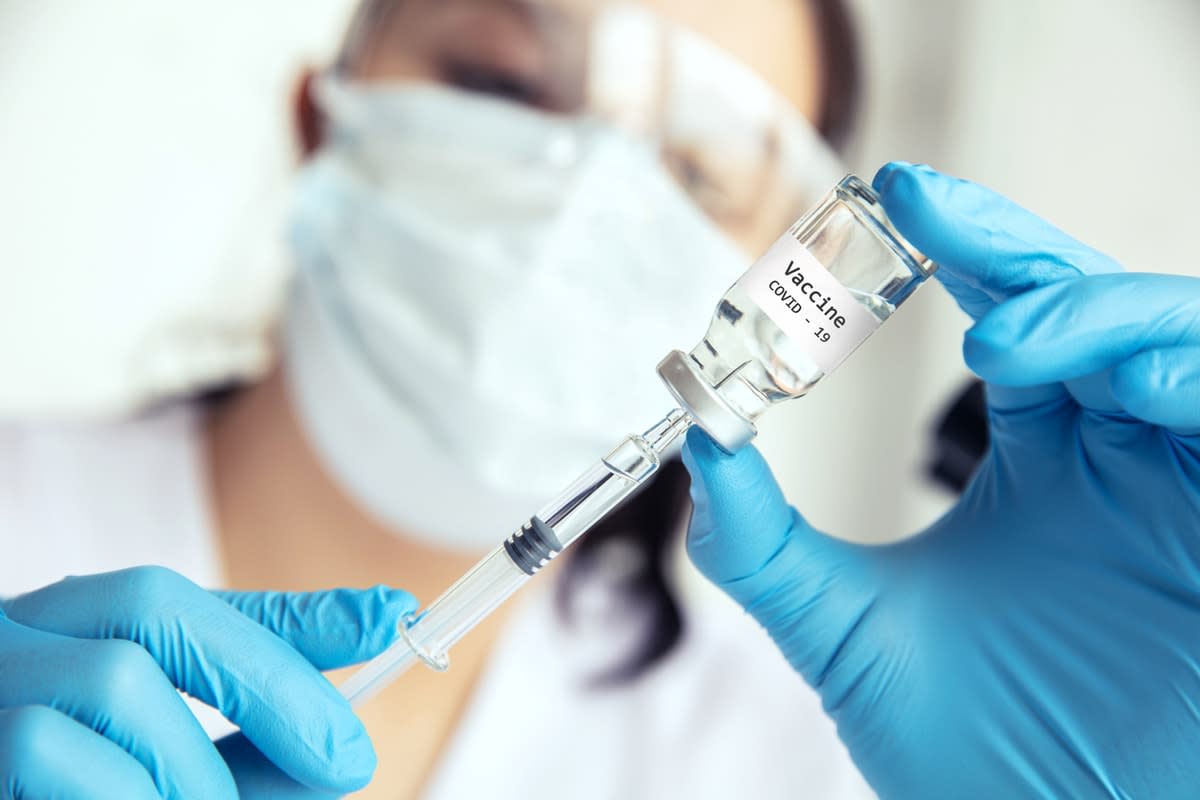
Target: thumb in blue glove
point(1041, 638)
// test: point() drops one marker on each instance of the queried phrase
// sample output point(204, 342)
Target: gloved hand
point(89, 669)
point(1043, 638)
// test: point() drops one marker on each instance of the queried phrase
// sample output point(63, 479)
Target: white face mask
point(483, 294)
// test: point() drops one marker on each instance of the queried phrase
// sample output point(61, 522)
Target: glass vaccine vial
point(817, 294)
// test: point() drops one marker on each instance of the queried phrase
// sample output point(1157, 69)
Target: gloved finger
point(44, 753)
point(798, 583)
point(1162, 387)
point(1080, 327)
point(115, 688)
point(739, 515)
point(331, 629)
point(987, 248)
point(257, 777)
point(218, 655)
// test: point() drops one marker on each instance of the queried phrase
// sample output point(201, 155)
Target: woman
point(442, 374)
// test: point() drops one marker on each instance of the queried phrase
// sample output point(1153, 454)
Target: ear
point(307, 116)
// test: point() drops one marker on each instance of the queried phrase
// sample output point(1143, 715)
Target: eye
point(497, 82)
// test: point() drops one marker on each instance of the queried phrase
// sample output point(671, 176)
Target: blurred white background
point(141, 141)
point(143, 148)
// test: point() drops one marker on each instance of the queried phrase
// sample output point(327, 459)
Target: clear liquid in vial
point(753, 362)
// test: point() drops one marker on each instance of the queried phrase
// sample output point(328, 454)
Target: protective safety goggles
point(740, 150)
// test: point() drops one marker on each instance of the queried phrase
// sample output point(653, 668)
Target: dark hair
point(650, 520)
point(648, 524)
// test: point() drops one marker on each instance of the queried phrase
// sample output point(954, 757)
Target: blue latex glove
point(1043, 638)
point(89, 669)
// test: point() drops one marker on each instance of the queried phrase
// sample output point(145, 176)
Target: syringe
point(429, 635)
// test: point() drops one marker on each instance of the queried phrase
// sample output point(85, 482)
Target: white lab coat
point(722, 716)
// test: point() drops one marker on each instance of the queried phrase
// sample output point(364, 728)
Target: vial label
point(811, 307)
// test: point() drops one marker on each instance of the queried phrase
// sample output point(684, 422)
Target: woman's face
point(534, 52)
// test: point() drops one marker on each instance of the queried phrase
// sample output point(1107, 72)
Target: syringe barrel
point(490, 582)
point(598, 490)
point(471, 598)
point(430, 634)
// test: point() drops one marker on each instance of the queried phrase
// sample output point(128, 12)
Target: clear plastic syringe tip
point(664, 436)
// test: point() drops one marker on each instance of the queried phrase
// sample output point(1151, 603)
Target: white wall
point(139, 141)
